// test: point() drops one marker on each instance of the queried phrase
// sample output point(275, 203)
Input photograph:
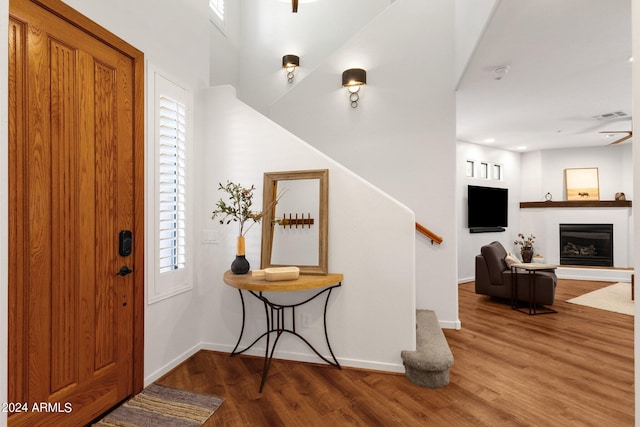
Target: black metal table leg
point(242, 328)
point(532, 305)
point(326, 334)
point(275, 321)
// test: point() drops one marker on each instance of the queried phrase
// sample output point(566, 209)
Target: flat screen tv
point(487, 208)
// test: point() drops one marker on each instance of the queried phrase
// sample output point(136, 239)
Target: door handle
point(124, 271)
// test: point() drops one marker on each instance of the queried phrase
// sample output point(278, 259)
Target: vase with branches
point(237, 207)
point(526, 251)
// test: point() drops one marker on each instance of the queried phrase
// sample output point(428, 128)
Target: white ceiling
point(568, 62)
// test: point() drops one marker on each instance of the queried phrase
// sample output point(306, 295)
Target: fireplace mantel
point(578, 204)
point(544, 222)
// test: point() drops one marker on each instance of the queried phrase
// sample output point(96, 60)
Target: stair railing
point(428, 233)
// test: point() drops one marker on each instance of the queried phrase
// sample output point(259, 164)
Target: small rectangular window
point(497, 172)
point(484, 170)
point(216, 13)
point(217, 6)
point(470, 167)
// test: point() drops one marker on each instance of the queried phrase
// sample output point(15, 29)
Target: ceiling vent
point(610, 116)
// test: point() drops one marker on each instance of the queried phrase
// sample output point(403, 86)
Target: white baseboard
point(466, 280)
point(298, 357)
point(312, 358)
point(172, 364)
point(597, 274)
point(448, 324)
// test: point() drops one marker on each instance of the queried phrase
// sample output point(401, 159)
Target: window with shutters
point(170, 271)
point(171, 197)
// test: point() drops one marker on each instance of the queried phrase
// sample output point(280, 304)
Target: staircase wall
point(401, 137)
point(371, 318)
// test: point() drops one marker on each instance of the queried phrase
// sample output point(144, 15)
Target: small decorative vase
point(527, 253)
point(240, 265)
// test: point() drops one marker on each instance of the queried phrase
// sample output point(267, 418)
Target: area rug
point(616, 297)
point(158, 405)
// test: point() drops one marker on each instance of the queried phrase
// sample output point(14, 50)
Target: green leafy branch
point(237, 208)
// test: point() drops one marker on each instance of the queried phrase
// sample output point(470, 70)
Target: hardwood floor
point(566, 369)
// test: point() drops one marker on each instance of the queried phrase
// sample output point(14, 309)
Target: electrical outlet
point(306, 320)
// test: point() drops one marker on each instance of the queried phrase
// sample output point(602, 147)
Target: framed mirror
point(295, 229)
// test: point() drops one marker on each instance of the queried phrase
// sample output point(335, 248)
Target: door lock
point(125, 243)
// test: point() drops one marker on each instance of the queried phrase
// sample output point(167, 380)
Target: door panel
point(63, 283)
point(75, 155)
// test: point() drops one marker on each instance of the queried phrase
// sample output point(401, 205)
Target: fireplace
point(586, 244)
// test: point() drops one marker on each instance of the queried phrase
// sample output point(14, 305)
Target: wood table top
point(535, 266)
point(302, 283)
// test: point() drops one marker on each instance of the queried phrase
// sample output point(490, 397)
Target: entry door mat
point(616, 297)
point(158, 405)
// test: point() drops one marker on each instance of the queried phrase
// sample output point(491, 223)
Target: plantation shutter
point(172, 185)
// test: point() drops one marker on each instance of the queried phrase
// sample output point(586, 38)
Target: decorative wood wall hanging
point(291, 221)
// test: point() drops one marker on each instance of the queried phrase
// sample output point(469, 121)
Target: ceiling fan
point(628, 135)
point(294, 6)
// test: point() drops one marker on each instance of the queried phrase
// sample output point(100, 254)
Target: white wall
point(469, 244)
point(176, 41)
point(372, 316)
point(173, 327)
point(270, 30)
point(472, 18)
point(402, 135)
point(543, 171)
point(4, 212)
point(224, 47)
point(529, 176)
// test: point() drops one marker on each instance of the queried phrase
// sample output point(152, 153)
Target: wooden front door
point(75, 178)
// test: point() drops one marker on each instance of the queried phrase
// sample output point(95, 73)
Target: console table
point(275, 313)
point(531, 269)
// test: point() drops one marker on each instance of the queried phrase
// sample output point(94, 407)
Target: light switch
point(210, 236)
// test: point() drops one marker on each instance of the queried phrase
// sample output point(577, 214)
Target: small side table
point(531, 269)
point(276, 321)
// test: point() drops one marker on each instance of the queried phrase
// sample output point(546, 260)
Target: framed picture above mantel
point(582, 184)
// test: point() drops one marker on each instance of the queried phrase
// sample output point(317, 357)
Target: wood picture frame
point(274, 184)
point(582, 184)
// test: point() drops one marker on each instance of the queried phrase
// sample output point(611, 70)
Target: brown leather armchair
point(494, 277)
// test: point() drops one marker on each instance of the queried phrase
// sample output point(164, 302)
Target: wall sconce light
point(289, 63)
point(352, 79)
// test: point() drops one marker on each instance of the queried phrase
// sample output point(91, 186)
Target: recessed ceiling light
point(522, 147)
point(489, 140)
point(630, 59)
